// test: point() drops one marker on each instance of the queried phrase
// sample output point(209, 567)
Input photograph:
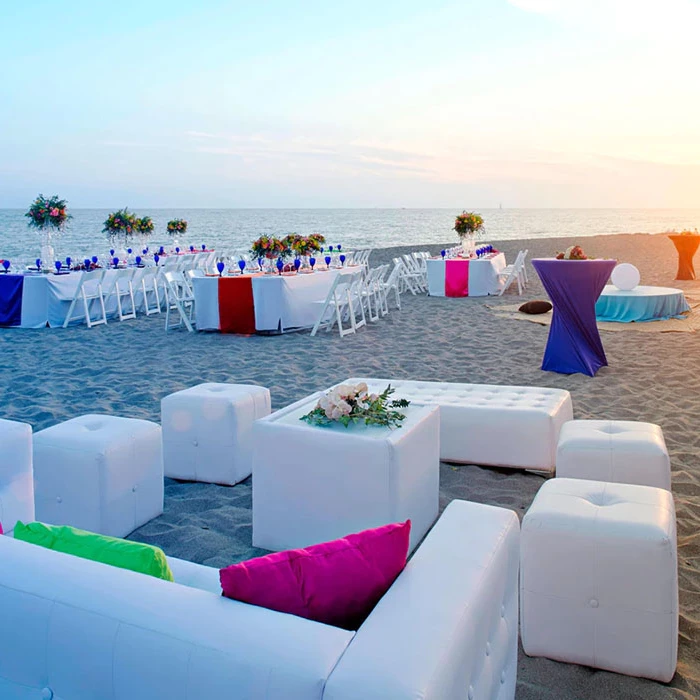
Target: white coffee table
point(313, 484)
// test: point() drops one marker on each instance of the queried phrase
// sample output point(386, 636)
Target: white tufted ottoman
point(502, 426)
point(16, 479)
point(208, 431)
point(624, 452)
point(598, 577)
point(99, 473)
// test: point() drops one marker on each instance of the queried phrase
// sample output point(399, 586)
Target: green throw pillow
point(142, 558)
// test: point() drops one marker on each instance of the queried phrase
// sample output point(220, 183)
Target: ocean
point(231, 230)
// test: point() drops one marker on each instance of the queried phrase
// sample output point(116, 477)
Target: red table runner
point(236, 309)
point(456, 278)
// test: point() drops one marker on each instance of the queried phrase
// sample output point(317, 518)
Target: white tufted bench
point(598, 577)
point(503, 426)
point(625, 452)
point(16, 481)
point(208, 431)
point(99, 473)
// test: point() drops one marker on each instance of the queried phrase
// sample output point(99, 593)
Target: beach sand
point(125, 369)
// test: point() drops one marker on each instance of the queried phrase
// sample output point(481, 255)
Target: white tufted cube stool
point(16, 474)
point(99, 473)
point(598, 577)
point(623, 452)
point(208, 431)
point(500, 426)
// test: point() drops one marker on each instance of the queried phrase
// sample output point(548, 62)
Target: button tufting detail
point(593, 603)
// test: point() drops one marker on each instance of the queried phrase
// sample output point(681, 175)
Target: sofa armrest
point(448, 627)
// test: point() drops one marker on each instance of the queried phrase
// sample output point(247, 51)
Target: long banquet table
point(256, 302)
point(460, 277)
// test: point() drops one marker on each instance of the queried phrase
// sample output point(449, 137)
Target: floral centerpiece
point(574, 252)
point(176, 227)
point(47, 215)
point(120, 224)
point(316, 241)
point(688, 232)
point(144, 226)
point(348, 404)
point(267, 247)
point(467, 225)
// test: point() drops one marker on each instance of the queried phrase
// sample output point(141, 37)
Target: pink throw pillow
point(337, 583)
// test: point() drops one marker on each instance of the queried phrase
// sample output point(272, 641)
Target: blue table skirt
point(640, 304)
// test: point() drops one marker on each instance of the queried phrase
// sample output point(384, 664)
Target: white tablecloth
point(281, 302)
point(483, 276)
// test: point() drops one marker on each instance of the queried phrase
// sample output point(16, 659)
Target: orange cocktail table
point(686, 246)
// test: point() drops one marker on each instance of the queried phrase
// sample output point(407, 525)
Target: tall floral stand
point(48, 254)
point(468, 244)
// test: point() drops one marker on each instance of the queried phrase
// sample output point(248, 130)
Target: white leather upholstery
point(99, 473)
point(313, 484)
point(624, 452)
point(16, 474)
point(448, 627)
point(207, 431)
point(78, 629)
point(445, 630)
point(507, 426)
point(599, 582)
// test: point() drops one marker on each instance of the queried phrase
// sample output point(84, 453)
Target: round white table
point(642, 303)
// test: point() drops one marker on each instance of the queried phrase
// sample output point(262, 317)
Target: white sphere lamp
point(625, 277)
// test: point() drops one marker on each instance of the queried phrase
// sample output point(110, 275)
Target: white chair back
point(89, 289)
point(181, 298)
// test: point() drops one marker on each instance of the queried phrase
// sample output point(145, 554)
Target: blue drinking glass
point(312, 262)
point(261, 263)
point(68, 262)
point(204, 247)
point(177, 250)
point(138, 261)
point(6, 265)
point(280, 265)
point(342, 260)
point(144, 251)
point(220, 267)
point(58, 265)
point(38, 263)
point(86, 263)
point(191, 249)
point(162, 250)
point(328, 260)
point(322, 249)
point(330, 247)
point(241, 265)
point(129, 251)
point(95, 259)
point(115, 262)
point(111, 252)
point(443, 253)
point(297, 264)
point(338, 246)
point(156, 258)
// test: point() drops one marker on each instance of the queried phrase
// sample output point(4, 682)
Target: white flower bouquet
point(348, 404)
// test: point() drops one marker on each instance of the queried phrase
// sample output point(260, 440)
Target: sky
point(388, 103)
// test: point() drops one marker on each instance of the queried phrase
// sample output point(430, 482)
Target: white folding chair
point(343, 298)
point(119, 285)
point(89, 289)
point(181, 297)
point(150, 282)
point(393, 282)
point(512, 273)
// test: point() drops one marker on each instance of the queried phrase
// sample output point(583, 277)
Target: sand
point(125, 369)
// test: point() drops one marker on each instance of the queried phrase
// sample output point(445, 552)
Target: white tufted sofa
point(500, 426)
point(447, 628)
point(16, 474)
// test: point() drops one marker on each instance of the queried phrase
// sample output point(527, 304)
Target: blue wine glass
point(86, 263)
point(111, 252)
point(95, 259)
point(162, 250)
point(68, 261)
point(330, 248)
point(342, 259)
point(322, 249)
point(338, 247)
point(261, 263)
point(58, 265)
point(115, 262)
point(191, 249)
point(297, 264)
point(443, 253)
point(177, 250)
point(280, 265)
point(129, 251)
point(204, 247)
point(241, 265)
point(144, 251)
point(328, 260)
point(312, 262)
point(156, 258)
point(220, 267)
point(138, 261)
point(38, 263)
point(6, 265)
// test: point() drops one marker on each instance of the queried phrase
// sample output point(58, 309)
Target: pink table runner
point(456, 278)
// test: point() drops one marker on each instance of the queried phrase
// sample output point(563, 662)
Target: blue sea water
point(231, 230)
